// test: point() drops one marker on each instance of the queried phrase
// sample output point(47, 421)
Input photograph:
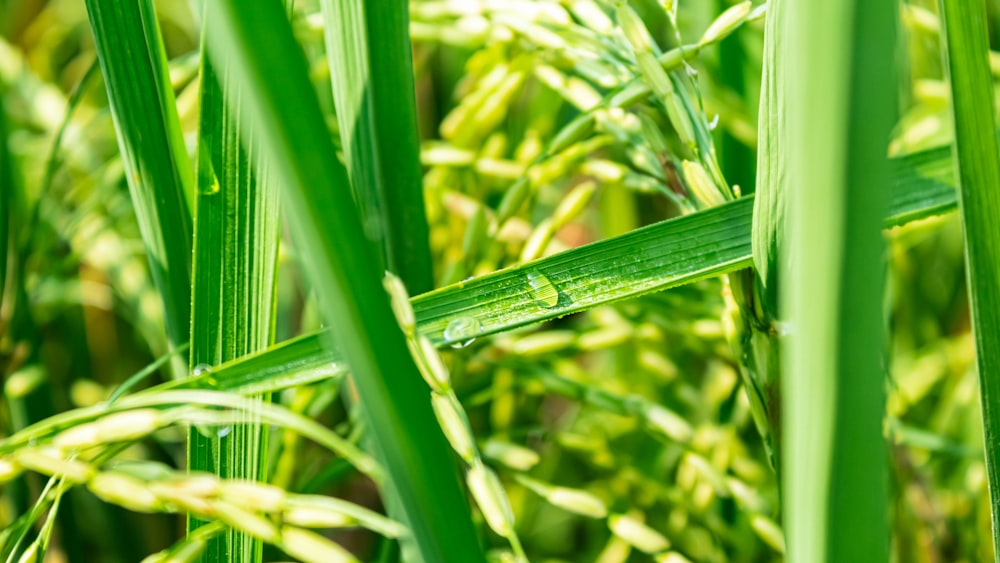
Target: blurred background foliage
point(563, 402)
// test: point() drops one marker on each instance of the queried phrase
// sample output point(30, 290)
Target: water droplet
point(214, 430)
point(714, 123)
point(542, 290)
point(201, 369)
point(783, 328)
point(462, 331)
point(211, 189)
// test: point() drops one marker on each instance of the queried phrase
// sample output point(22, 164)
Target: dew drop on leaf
point(462, 331)
point(212, 188)
point(542, 290)
point(207, 430)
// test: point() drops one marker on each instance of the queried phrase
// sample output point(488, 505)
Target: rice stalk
point(839, 88)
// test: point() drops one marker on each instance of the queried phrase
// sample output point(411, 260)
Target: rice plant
point(533, 280)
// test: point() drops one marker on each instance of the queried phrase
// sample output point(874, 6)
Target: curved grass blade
point(158, 171)
point(371, 67)
point(966, 49)
point(269, 412)
point(339, 260)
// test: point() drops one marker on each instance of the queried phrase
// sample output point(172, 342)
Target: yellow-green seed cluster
point(264, 511)
point(483, 482)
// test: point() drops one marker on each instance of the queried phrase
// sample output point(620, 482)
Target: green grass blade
point(919, 188)
point(667, 254)
point(299, 361)
point(368, 48)
point(150, 369)
point(235, 263)
point(840, 88)
point(52, 162)
point(157, 167)
point(340, 264)
point(755, 291)
point(653, 258)
point(7, 191)
point(736, 69)
point(368, 53)
point(966, 50)
point(772, 177)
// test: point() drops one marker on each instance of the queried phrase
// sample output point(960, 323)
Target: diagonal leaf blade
point(158, 171)
point(654, 258)
point(339, 261)
point(920, 187)
point(368, 49)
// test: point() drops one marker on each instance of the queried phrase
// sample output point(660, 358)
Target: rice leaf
point(368, 48)
point(157, 168)
point(657, 257)
point(920, 188)
point(772, 162)
point(755, 292)
point(341, 265)
point(299, 361)
point(368, 53)
point(235, 258)
point(965, 51)
point(840, 90)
